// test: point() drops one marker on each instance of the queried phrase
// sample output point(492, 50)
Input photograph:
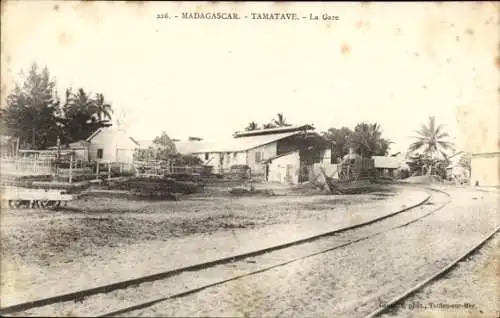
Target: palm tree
point(432, 143)
point(268, 126)
point(252, 126)
point(280, 121)
point(103, 110)
point(82, 103)
point(80, 118)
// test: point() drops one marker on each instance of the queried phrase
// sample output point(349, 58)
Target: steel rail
point(201, 288)
point(433, 277)
point(84, 293)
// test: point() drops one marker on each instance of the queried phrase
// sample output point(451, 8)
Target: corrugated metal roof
point(268, 131)
point(74, 145)
point(386, 162)
point(230, 145)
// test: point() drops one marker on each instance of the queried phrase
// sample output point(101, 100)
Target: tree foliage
point(164, 146)
point(252, 126)
point(465, 161)
point(163, 149)
point(339, 138)
point(32, 110)
point(280, 121)
point(188, 160)
point(269, 126)
point(365, 140)
point(35, 115)
point(432, 141)
point(432, 145)
point(81, 115)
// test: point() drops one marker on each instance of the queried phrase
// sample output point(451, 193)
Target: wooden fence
point(157, 168)
point(66, 172)
point(26, 166)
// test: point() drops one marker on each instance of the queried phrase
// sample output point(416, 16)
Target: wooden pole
point(71, 168)
point(97, 169)
point(17, 146)
point(109, 171)
point(58, 155)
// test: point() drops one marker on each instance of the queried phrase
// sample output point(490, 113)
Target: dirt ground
point(468, 290)
point(46, 237)
point(98, 240)
point(353, 281)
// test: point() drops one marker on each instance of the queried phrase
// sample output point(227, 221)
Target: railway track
point(248, 264)
point(392, 304)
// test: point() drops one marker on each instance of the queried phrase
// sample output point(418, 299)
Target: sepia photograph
point(250, 159)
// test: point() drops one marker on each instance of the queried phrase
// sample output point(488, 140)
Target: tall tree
point(252, 126)
point(280, 121)
point(340, 139)
point(103, 110)
point(81, 115)
point(32, 109)
point(164, 147)
point(367, 140)
point(269, 126)
point(432, 143)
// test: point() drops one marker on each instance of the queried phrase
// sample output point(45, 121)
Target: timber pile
point(44, 182)
point(155, 188)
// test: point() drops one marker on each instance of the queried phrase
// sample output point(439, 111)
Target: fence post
point(109, 171)
point(97, 170)
point(71, 169)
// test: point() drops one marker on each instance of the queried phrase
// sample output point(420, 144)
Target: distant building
point(455, 171)
point(485, 169)
point(111, 144)
point(80, 149)
point(386, 166)
point(284, 154)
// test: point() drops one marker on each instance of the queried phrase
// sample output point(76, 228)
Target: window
point(99, 153)
point(206, 156)
point(258, 156)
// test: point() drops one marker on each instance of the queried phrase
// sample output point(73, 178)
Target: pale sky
point(395, 64)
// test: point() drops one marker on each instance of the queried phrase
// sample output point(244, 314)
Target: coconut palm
point(102, 109)
point(83, 103)
point(280, 121)
point(432, 143)
point(252, 126)
point(268, 126)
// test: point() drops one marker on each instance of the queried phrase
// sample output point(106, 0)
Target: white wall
point(267, 151)
point(285, 169)
point(228, 159)
point(112, 141)
point(82, 154)
point(326, 155)
point(485, 170)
